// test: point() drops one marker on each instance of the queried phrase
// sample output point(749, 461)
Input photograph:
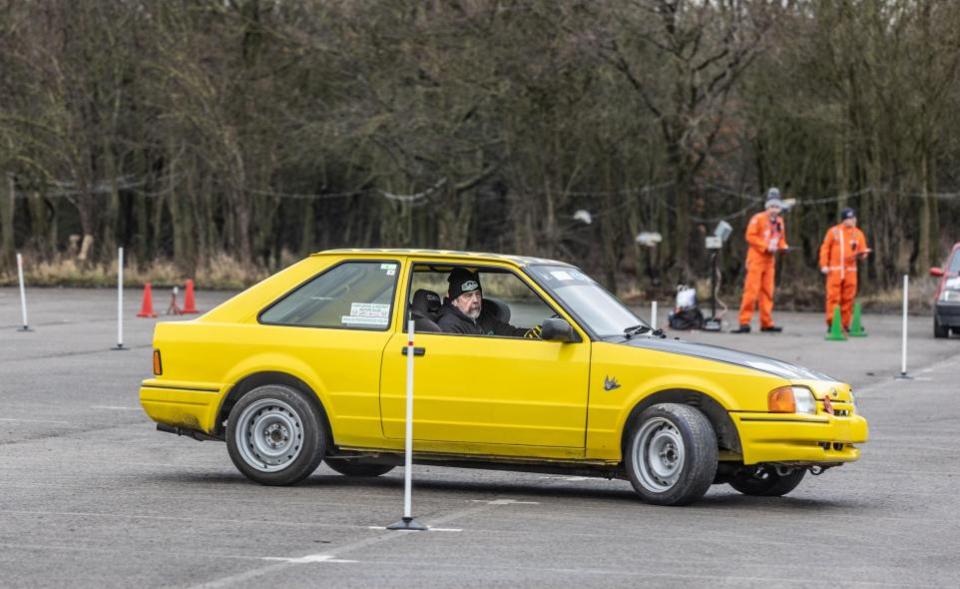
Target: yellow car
point(555, 375)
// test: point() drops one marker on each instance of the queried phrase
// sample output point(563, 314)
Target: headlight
point(791, 400)
point(805, 401)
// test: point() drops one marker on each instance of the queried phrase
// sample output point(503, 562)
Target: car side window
point(509, 308)
point(352, 295)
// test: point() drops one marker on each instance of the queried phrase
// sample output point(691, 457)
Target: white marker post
point(906, 298)
point(23, 296)
point(119, 345)
point(408, 523)
point(653, 314)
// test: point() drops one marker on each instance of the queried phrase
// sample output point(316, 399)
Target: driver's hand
point(533, 333)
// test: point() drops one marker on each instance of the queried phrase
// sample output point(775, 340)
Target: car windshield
point(954, 267)
point(599, 310)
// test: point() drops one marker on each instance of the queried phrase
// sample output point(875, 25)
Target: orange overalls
point(838, 253)
point(761, 267)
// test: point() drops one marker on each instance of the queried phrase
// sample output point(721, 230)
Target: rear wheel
point(940, 330)
point(764, 481)
point(671, 454)
point(275, 436)
point(358, 467)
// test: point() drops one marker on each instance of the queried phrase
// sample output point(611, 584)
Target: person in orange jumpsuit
point(842, 246)
point(766, 235)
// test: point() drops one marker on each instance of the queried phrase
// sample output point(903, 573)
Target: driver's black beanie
point(462, 280)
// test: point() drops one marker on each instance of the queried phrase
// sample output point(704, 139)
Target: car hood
point(755, 361)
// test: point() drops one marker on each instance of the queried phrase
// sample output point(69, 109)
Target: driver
point(462, 311)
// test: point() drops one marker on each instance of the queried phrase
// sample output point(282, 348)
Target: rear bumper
point(820, 439)
point(187, 405)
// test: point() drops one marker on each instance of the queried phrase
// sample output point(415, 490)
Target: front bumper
point(799, 439)
point(191, 406)
point(948, 314)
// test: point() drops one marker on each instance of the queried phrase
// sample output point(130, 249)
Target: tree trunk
point(6, 223)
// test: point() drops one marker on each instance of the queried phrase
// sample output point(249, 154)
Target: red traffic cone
point(189, 304)
point(146, 309)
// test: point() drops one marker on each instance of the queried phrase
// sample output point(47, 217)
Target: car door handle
point(416, 351)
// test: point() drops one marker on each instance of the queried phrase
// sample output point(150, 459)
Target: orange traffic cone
point(189, 304)
point(146, 309)
point(174, 309)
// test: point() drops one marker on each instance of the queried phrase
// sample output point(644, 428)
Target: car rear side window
point(352, 295)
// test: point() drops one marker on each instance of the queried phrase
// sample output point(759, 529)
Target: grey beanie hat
point(773, 198)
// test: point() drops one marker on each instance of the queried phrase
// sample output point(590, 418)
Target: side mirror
point(557, 330)
point(938, 272)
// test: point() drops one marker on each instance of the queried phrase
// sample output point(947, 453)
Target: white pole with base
point(119, 345)
point(903, 357)
point(408, 523)
point(23, 296)
point(653, 314)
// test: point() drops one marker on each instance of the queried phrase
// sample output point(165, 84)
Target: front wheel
point(939, 330)
point(765, 481)
point(671, 454)
point(275, 436)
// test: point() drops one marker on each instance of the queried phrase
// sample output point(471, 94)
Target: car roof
point(452, 255)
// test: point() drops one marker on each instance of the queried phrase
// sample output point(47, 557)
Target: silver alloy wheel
point(269, 435)
point(659, 454)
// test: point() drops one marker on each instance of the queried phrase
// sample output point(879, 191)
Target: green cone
point(856, 329)
point(836, 329)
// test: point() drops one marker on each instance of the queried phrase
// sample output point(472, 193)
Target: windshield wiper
point(641, 330)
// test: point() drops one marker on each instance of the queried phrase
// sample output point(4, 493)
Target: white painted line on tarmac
point(10, 419)
point(310, 558)
point(504, 502)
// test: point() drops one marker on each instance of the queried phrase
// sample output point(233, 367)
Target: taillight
point(157, 364)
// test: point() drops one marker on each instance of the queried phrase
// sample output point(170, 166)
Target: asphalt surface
point(92, 496)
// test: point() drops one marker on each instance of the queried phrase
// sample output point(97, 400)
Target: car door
point(490, 394)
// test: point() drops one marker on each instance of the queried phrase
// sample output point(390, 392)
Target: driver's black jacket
point(452, 320)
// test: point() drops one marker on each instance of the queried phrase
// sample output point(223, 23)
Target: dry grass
point(221, 272)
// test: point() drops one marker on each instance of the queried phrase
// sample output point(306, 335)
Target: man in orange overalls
point(842, 246)
point(766, 235)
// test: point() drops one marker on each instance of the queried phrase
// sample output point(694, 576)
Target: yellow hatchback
point(521, 364)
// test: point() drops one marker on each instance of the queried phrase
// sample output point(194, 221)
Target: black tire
point(670, 454)
point(763, 481)
point(275, 435)
point(940, 331)
point(358, 467)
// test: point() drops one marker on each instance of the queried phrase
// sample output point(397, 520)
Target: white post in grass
point(408, 523)
point(120, 300)
point(653, 314)
point(906, 298)
point(23, 296)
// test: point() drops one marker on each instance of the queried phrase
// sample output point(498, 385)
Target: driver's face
point(469, 303)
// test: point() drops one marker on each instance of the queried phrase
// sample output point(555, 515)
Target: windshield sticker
point(390, 269)
point(561, 275)
point(376, 314)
